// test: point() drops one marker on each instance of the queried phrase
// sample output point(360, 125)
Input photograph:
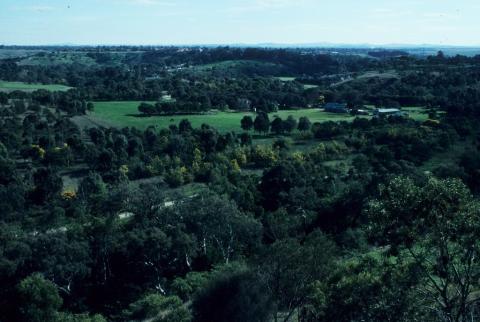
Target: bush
point(282, 144)
point(159, 308)
point(174, 178)
point(185, 287)
point(263, 156)
point(39, 299)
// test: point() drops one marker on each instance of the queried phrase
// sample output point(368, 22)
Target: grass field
point(69, 58)
point(291, 79)
point(309, 86)
point(58, 58)
point(17, 53)
point(238, 67)
point(119, 114)
point(286, 78)
point(20, 86)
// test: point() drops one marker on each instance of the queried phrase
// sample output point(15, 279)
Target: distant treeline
point(438, 81)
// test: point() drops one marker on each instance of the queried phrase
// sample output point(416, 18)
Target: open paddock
point(122, 114)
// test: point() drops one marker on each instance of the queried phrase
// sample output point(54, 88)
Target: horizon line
point(263, 44)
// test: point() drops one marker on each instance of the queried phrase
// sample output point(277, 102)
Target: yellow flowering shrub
point(39, 151)
point(298, 156)
point(156, 166)
point(264, 156)
point(69, 194)
point(235, 166)
point(124, 169)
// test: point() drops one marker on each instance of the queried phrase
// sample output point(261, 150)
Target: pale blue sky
point(239, 21)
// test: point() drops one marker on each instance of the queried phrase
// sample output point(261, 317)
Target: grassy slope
point(58, 58)
point(69, 58)
point(17, 53)
point(227, 64)
point(19, 86)
point(119, 114)
point(291, 79)
point(238, 68)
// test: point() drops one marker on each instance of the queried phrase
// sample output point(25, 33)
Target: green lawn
point(416, 113)
point(120, 114)
point(20, 86)
point(286, 78)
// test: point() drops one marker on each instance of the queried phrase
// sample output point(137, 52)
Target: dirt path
point(88, 122)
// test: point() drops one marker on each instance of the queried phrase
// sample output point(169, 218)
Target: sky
point(182, 22)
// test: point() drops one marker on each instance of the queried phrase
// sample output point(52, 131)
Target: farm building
point(336, 108)
point(360, 112)
point(388, 112)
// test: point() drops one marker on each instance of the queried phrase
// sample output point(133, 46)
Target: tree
point(368, 287)
point(135, 147)
point(187, 286)
point(175, 177)
point(158, 308)
point(290, 124)
point(3, 151)
point(222, 232)
point(104, 161)
point(19, 106)
point(7, 167)
point(282, 144)
point(39, 299)
point(146, 108)
point(233, 297)
point(184, 126)
point(92, 189)
point(3, 98)
point(247, 123)
point(97, 136)
point(304, 124)
point(277, 182)
point(277, 125)
point(208, 139)
point(246, 139)
point(90, 106)
point(290, 268)
point(437, 226)
point(262, 123)
point(263, 156)
point(47, 184)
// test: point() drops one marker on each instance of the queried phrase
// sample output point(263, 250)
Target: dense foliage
point(371, 220)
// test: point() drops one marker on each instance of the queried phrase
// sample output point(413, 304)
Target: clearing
point(26, 87)
point(368, 75)
point(291, 79)
point(125, 114)
point(238, 67)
